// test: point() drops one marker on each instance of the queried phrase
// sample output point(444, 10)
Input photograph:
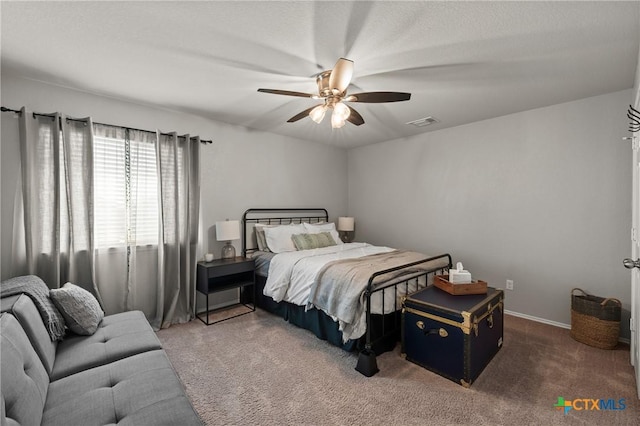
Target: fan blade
point(355, 117)
point(286, 92)
point(301, 115)
point(341, 75)
point(378, 97)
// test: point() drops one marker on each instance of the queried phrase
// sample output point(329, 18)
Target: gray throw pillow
point(81, 311)
point(261, 239)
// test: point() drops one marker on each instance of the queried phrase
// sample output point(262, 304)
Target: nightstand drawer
point(224, 282)
point(233, 267)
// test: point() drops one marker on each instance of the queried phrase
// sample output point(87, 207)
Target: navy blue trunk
point(454, 336)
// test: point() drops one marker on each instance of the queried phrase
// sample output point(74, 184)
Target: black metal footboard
point(367, 364)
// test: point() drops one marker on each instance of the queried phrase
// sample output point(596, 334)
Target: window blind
point(125, 188)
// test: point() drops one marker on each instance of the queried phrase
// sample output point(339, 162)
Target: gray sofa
point(118, 375)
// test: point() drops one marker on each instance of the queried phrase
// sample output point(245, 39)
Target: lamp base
point(345, 236)
point(228, 251)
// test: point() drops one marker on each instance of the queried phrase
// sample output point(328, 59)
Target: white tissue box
point(459, 277)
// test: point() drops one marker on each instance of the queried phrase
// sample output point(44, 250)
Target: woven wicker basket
point(595, 321)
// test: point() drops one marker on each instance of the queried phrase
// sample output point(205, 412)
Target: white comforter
point(303, 278)
point(292, 274)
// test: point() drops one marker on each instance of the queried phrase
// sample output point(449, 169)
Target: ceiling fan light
point(317, 114)
point(337, 121)
point(342, 110)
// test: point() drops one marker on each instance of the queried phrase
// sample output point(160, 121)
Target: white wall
point(241, 169)
point(541, 197)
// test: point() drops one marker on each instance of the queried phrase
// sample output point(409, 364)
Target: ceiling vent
point(421, 122)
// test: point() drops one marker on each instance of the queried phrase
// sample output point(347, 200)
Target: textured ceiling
point(462, 61)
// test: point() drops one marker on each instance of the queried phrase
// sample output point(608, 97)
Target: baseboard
point(538, 319)
point(549, 322)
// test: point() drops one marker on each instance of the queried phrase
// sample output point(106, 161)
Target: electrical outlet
point(509, 284)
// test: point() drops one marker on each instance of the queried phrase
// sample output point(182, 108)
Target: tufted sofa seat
point(118, 375)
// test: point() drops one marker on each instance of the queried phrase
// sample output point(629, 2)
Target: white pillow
point(261, 239)
point(279, 238)
point(316, 228)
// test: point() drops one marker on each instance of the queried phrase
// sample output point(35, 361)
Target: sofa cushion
point(6, 303)
point(118, 336)
point(141, 389)
point(24, 380)
point(37, 290)
point(81, 311)
point(3, 415)
point(22, 307)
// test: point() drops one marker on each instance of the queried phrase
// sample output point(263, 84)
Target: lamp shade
point(346, 223)
point(317, 114)
point(228, 230)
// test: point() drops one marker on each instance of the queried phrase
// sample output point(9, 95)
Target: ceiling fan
point(332, 88)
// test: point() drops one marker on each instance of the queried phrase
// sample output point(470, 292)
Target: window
point(125, 188)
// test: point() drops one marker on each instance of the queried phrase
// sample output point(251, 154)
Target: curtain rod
point(5, 109)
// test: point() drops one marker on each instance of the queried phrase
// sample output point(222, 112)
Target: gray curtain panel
point(78, 208)
point(57, 193)
point(178, 159)
point(40, 163)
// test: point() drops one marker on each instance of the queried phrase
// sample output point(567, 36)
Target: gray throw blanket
point(38, 291)
point(339, 286)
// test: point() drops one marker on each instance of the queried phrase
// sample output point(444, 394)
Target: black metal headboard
point(276, 217)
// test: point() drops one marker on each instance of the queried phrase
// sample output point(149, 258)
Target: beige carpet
point(257, 369)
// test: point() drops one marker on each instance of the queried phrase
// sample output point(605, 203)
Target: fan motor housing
point(323, 84)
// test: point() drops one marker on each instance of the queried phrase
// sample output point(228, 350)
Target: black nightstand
point(220, 275)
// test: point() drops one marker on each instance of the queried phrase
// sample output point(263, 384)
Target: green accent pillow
point(313, 241)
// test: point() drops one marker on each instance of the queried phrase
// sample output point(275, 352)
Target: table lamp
point(346, 225)
point(227, 231)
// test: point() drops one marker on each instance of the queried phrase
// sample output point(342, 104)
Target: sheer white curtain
point(126, 226)
point(57, 195)
point(145, 256)
point(113, 210)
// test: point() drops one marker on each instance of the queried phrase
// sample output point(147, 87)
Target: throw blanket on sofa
point(38, 291)
point(339, 287)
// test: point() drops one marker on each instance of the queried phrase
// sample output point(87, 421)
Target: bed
point(346, 293)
